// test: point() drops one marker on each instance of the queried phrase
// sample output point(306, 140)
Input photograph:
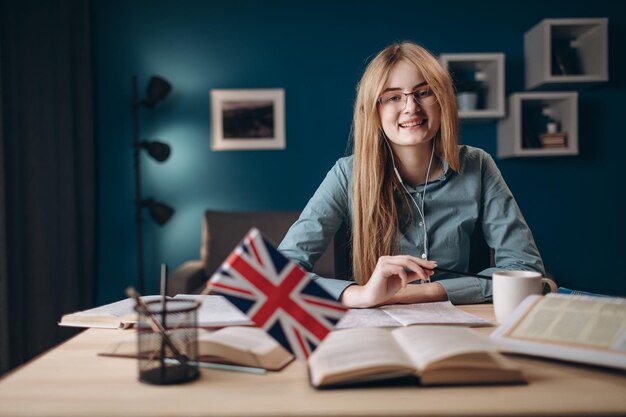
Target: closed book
point(549, 140)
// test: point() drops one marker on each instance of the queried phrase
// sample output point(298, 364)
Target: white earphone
point(419, 210)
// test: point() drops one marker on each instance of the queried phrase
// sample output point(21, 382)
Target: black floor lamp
point(158, 89)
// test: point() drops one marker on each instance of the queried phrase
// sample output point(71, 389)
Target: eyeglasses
point(396, 100)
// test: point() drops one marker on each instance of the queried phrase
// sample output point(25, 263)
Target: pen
point(222, 366)
point(156, 325)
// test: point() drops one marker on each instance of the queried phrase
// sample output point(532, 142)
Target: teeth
point(413, 124)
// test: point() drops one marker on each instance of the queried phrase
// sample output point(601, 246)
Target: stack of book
point(553, 140)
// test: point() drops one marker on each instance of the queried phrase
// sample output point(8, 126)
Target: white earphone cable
point(420, 211)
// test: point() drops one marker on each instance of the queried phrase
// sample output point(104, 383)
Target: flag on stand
point(277, 294)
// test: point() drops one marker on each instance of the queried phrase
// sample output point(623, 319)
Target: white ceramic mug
point(510, 288)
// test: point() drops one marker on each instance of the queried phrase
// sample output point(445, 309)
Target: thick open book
point(429, 355)
point(246, 346)
point(215, 311)
point(568, 327)
point(398, 315)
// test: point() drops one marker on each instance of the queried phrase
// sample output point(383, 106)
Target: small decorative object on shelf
point(480, 78)
point(565, 58)
point(471, 90)
point(539, 124)
point(551, 124)
point(561, 52)
point(479, 81)
point(467, 95)
point(553, 137)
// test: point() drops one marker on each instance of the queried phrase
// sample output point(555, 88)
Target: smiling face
point(414, 124)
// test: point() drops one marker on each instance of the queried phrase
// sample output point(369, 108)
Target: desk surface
point(70, 380)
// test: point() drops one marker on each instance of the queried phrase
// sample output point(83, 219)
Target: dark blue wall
point(316, 51)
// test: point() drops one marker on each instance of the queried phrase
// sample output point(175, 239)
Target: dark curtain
point(4, 285)
point(47, 254)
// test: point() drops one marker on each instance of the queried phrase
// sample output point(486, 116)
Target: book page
point(356, 352)
point(117, 315)
point(250, 346)
point(251, 339)
point(397, 315)
point(216, 311)
point(427, 344)
point(123, 308)
point(246, 346)
point(575, 320)
point(366, 317)
point(442, 312)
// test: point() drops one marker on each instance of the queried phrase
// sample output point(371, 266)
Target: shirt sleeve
point(505, 230)
point(504, 227)
point(467, 290)
point(323, 215)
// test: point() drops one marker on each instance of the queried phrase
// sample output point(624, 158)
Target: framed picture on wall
point(247, 119)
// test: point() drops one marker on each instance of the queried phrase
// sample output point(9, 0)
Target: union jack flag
point(277, 294)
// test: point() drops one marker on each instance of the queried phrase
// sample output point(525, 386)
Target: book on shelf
point(397, 315)
point(553, 140)
point(424, 355)
point(554, 146)
point(565, 57)
point(578, 328)
point(214, 311)
point(530, 140)
point(235, 345)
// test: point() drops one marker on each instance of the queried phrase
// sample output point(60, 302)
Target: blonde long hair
point(375, 219)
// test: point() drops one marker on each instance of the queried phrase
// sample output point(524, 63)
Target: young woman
point(411, 195)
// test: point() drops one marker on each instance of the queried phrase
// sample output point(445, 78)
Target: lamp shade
point(160, 212)
point(158, 89)
point(158, 150)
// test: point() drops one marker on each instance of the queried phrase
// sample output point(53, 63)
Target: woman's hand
point(392, 273)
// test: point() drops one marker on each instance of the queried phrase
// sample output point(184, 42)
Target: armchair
point(222, 231)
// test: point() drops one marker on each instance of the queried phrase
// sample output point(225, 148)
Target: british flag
point(277, 294)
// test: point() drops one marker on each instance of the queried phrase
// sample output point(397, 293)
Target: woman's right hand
point(392, 273)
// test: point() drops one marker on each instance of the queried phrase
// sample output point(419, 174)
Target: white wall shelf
point(491, 65)
point(519, 133)
point(561, 52)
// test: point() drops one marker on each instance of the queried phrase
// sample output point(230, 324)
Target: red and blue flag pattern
point(277, 294)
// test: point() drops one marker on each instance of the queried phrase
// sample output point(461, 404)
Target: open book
point(215, 311)
point(246, 346)
point(430, 355)
point(409, 314)
point(568, 327)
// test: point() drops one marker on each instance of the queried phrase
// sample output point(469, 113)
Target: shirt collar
point(443, 176)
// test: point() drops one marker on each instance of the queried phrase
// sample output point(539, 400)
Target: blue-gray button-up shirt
point(454, 204)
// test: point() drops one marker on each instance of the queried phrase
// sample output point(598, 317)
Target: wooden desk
point(70, 380)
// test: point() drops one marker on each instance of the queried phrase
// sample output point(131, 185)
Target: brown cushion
point(222, 231)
